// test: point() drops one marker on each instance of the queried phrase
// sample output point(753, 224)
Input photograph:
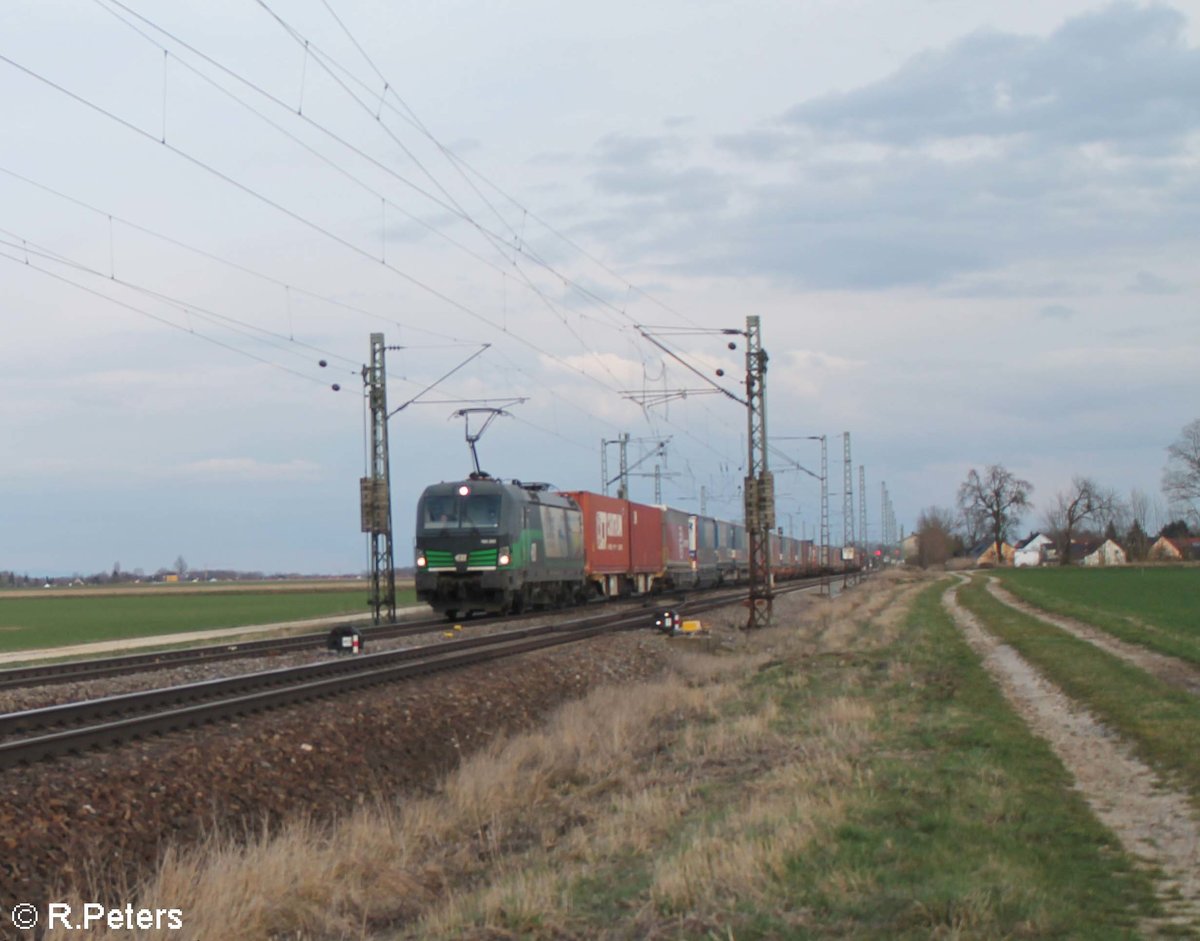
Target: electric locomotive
point(487, 546)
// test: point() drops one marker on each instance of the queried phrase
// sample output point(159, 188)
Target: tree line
point(991, 504)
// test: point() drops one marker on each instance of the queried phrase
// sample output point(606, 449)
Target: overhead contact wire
point(297, 217)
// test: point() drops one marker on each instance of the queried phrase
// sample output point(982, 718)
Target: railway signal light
point(667, 621)
point(346, 639)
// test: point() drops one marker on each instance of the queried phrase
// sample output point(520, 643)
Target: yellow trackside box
point(690, 627)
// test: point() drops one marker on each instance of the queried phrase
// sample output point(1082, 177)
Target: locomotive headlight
point(421, 563)
point(504, 557)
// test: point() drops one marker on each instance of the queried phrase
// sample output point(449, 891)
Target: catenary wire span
point(520, 250)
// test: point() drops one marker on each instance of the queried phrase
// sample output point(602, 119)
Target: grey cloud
point(553, 158)
point(1057, 312)
point(465, 145)
point(1007, 288)
point(1147, 283)
point(647, 173)
point(1117, 75)
point(763, 143)
point(585, 293)
point(625, 149)
point(690, 188)
point(1137, 332)
point(833, 253)
point(915, 219)
point(962, 162)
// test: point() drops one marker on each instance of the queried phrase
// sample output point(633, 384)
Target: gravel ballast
point(100, 822)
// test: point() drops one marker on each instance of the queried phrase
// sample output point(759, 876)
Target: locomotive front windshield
point(452, 512)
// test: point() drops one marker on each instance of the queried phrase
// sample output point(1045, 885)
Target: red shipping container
point(646, 538)
point(606, 542)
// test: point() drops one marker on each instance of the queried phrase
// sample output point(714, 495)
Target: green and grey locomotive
point(487, 546)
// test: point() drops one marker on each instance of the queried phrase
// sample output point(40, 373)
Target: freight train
point(484, 545)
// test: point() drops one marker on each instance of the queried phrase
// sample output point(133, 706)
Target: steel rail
point(174, 708)
point(242, 700)
point(76, 713)
point(97, 668)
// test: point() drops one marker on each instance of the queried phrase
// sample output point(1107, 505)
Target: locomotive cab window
point(440, 513)
point(477, 511)
point(481, 511)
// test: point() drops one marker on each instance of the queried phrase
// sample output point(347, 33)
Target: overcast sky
point(969, 229)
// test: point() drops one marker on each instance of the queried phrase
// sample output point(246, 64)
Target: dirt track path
point(1153, 822)
point(1171, 670)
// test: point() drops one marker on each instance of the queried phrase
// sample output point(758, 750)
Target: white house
point(1033, 551)
point(1107, 553)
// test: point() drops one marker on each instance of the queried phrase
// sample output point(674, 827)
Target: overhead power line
point(298, 217)
point(414, 120)
point(464, 167)
point(521, 250)
point(26, 263)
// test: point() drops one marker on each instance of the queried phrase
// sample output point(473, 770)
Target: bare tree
point(972, 524)
point(1181, 476)
point(935, 536)
point(1137, 543)
point(1143, 519)
point(1140, 509)
point(181, 567)
point(1084, 501)
point(1149, 510)
point(1120, 514)
point(997, 496)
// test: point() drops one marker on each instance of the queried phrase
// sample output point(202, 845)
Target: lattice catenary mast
point(759, 489)
point(826, 553)
point(847, 508)
point(862, 516)
point(375, 490)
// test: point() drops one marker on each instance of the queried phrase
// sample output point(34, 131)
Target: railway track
point(97, 668)
point(39, 734)
point(102, 723)
point(76, 671)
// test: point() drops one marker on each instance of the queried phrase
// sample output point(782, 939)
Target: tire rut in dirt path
point(1171, 670)
point(1153, 822)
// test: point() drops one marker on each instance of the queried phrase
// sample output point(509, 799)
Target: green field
point(1153, 606)
point(31, 621)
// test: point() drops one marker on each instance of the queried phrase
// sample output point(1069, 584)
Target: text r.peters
point(60, 914)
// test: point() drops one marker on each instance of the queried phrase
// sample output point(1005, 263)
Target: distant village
point(1174, 543)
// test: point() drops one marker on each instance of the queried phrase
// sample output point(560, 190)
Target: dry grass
point(692, 778)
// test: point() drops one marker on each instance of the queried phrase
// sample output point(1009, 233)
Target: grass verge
point(965, 824)
point(1161, 722)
